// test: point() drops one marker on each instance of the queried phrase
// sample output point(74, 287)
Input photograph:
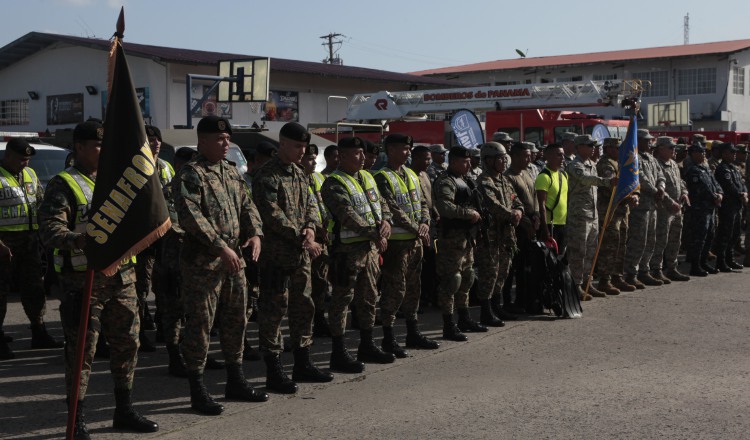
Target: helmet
point(491, 149)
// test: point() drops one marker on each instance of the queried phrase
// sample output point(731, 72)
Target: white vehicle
point(47, 162)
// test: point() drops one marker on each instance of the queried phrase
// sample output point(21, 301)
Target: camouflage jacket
point(57, 214)
point(651, 179)
point(674, 188)
point(608, 168)
point(215, 211)
point(582, 183)
point(499, 199)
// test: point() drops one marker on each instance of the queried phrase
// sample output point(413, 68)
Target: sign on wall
point(281, 106)
point(210, 107)
point(65, 109)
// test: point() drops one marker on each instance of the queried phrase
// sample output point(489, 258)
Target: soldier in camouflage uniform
point(504, 211)
point(455, 200)
point(668, 215)
point(289, 212)
point(610, 261)
point(219, 220)
point(19, 243)
point(437, 166)
point(642, 220)
point(359, 231)
point(114, 303)
point(582, 225)
point(402, 260)
point(735, 198)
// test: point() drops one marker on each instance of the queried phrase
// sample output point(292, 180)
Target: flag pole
point(80, 348)
point(607, 218)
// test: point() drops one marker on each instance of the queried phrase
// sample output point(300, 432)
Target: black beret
point(419, 149)
point(458, 152)
point(295, 132)
point(21, 146)
point(372, 148)
point(696, 148)
point(152, 131)
point(214, 124)
point(266, 149)
point(398, 138)
point(312, 149)
point(185, 153)
point(90, 130)
point(351, 142)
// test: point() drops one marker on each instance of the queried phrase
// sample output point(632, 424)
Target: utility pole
point(686, 29)
point(330, 37)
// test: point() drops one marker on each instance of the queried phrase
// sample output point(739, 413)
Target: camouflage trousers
point(285, 291)
point(641, 241)
point(610, 261)
point(455, 258)
point(582, 236)
point(354, 276)
point(114, 312)
point(25, 267)
point(320, 284)
point(401, 280)
point(206, 294)
point(493, 265)
point(667, 244)
point(166, 286)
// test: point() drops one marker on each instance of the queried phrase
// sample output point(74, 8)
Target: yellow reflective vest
point(83, 189)
point(18, 201)
point(408, 196)
point(365, 201)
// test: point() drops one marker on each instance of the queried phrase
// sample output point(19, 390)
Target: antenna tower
point(686, 29)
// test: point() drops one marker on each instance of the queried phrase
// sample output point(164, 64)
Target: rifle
point(481, 227)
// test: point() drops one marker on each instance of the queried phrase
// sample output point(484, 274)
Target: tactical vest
point(462, 198)
point(323, 213)
point(408, 197)
point(167, 172)
point(18, 201)
point(365, 201)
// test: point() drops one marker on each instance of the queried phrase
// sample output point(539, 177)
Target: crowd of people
point(352, 241)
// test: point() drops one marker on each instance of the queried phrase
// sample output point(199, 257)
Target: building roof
point(36, 41)
point(685, 50)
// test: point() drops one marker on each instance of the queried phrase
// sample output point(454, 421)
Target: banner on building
point(210, 106)
point(281, 106)
point(65, 109)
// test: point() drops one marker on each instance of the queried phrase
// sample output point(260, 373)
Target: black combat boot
point(721, 265)
point(487, 316)
point(250, 353)
point(177, 367)
point(390, 344)
point(733, 264)
point(369, 352)
point(503, 311)
point(696, 270)
point(200, 400)
point(5, 352)
point(321, 329)
point(708, 268)
point(341, 360)
point(305, 371)
point(41, 339)
point(415, 338)
point(80, 430)
point(276, 378)
point(238, 388)
point(450, 330)
point(466, 324)
point(126, 417)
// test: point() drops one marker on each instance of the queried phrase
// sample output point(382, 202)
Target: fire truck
point(528, 112)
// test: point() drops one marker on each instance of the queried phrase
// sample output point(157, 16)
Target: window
point(696, 81)
point(569, 79)
point(14, 112)
point(738, 80)
point(534, 134)
point(607, 77)
point(659, 82)
point(506, 83)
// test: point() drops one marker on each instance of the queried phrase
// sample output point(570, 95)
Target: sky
point(399, 36)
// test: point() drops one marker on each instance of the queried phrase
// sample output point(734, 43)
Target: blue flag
point(467, 129)
point(628, 164)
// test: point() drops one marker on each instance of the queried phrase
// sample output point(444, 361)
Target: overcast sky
point(401, 36)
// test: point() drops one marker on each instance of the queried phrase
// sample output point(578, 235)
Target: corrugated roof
point(36, 41)
point(685, 50)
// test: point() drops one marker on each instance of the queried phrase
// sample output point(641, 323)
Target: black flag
point(128, 211)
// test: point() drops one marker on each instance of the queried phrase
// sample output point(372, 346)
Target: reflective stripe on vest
point(366, 203)
point(83, 189)
point(18, 201)
point(167, 172)
point(322, 209)
point(408, 197)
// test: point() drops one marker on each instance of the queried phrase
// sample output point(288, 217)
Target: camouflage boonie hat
point(568, 136)
point(644, 134)
point(611, 142)
point(501, 136)
point(586, 139)
point(665, 141)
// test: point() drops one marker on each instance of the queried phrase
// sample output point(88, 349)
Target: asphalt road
point(666, 362)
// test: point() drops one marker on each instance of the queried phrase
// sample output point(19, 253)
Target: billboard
point(281, 106)
point(65, 109)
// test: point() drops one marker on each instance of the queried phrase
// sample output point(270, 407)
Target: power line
point(330, 37)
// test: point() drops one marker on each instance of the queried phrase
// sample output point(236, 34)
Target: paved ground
point(667, 362)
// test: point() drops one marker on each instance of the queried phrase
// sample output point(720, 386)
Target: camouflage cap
point(586, 139)
point(611, 142)
point(568, 136)
point(437, 148)
point(491, 149)
point(644, 134)
point(20, 146)
point(680, 148)
point(699, 138)
point(665, 141)
point(501, 136)
point(531, 146)
point(295, 132)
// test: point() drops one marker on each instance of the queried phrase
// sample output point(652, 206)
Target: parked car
point(47, 162)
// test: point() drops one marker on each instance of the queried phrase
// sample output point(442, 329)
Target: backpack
point(549, 283)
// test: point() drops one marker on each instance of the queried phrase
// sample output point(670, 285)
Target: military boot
point(238, 388)
point(733, 264)
point(305, 371)
point(582, 295)
point(503, 311)
point(676, 275)
point(390, 344)
point(177, 367)
point(632, 280)
point(341, 360)
point(721, 265)
point(466, 324)
point(41, 339)
point(146, 345)
point(276, 378)
point(596, 293)
point(80, 430)
point(487, 316)
point(200, 400)
point(126, 417)
point(648, 280)
point(415, 338)
point(708, 268)
point(320, 325)
point(5, 352)
point(605, 285)
point(621, 285)
point(371, 353)
point(659, 275)
point(451, 331)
